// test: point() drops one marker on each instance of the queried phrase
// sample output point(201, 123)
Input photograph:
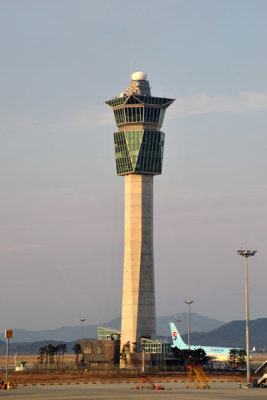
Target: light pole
point(82, 321)
point(8, 335)
point(189, 302)
point(246, 254)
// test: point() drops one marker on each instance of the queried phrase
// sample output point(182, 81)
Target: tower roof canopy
point(162, 102)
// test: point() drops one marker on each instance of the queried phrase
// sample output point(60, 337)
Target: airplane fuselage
point(214, 352)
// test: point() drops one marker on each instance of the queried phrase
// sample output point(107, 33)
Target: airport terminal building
point(105, 351)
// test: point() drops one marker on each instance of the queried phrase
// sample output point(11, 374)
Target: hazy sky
point(61, 204)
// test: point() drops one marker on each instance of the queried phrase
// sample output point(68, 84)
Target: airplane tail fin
point(177, 341)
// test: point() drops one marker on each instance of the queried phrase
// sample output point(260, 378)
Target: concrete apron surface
point(218, 391)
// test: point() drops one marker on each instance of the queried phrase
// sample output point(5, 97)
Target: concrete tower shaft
point(138, 299)
point(139, 146)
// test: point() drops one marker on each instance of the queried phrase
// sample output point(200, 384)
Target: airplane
point(217, 353)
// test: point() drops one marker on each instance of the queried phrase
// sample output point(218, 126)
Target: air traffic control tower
point(139, 145)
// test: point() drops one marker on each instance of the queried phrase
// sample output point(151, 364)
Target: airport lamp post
point(82, 321)
point(8, 335)
point(246, 254)
point(188, 302)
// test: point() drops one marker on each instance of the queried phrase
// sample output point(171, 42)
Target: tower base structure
point(138, 299)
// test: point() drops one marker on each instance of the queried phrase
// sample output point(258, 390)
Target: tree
point(237, 357)
point(125, 352)
point(134, 347)
point(41, 352)
point(48, 352)
point(61, 349)
point(233, 355)
point(198, 357)
point(77, 350)
point(241, 357)
point(51, 350)
point(187, 357)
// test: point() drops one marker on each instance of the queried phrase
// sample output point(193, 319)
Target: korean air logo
point(174, 335)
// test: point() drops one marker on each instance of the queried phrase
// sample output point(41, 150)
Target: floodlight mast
point(247, 253)
point(82, 320)
point(188, 302)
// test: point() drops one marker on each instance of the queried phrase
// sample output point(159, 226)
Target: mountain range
point(69, 333)
point(231, 334)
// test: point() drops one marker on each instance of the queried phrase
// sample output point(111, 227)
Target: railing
point(261, 367)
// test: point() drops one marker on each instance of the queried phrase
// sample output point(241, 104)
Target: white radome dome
point(139, 76)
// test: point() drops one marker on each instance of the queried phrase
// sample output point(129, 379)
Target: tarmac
point(125, 391)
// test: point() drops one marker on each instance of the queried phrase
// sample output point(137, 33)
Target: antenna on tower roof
point(130, 68)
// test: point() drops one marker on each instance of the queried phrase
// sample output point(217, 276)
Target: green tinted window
point(153, 100)
point(117, 101)
point(122, 157)
point(153, 346)
point(129, 114)
point(151, 114)
point(133, 100)
point(106, 333)
point(138, 113)
point(139, 151)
